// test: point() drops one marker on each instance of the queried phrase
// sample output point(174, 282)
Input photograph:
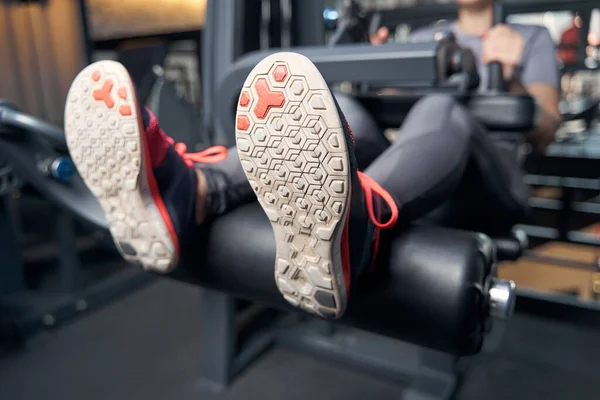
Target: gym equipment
point(353, 26)
point(500, 111)
point(413, 259)
point(426, 67)
point(440, 290)
point(36, 152)
point(586, 114)
point(9, 181)
point(420, 67)
point(458, 304)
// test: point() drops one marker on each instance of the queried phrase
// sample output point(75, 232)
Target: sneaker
point(144, 182)
point(298, 154)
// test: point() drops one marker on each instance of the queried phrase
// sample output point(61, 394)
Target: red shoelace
point(217, 154)
point(211, 155)
point(370, 187)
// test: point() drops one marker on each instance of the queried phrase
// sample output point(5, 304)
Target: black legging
point(443, 163)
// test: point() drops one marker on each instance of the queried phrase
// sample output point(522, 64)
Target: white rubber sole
point(293, 150)
point(103, 131)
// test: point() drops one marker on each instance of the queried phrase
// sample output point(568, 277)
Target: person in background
point(570, 42)
point(526, 53)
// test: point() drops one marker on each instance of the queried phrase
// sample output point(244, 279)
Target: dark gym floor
point(145, 346)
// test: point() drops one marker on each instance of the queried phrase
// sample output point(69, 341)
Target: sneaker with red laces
point(144, 182)
point(298, 154)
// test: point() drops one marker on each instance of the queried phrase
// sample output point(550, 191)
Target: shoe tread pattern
point(102, 128)
point(292, 148)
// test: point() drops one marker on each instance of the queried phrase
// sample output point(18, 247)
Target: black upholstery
point(430, 295)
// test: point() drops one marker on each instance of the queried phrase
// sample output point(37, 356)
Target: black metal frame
point(571, 167)
point(424, 373)
point(12, 277)
point(28, 311)
point(559, 306)
point(306, 25)
point(220, 48)
point(85, 30)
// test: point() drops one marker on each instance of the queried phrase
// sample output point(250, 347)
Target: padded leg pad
point(427, 288)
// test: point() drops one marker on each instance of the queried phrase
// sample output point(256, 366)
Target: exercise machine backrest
point(409, 65)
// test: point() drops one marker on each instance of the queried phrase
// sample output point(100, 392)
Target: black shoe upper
point(178, 186)
point(361, 230)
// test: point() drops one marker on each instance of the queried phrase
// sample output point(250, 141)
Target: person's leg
point(226, 187)
point(482, 202)
point(428, 162)
point(152, 195)
point(368, 137)
point(298, 154)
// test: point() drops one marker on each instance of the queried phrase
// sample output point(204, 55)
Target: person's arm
point(540, 78)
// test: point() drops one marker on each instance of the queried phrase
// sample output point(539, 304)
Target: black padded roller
point(429, 292)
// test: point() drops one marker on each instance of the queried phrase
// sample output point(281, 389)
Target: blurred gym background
point(66, 269)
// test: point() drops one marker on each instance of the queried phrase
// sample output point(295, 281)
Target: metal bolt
point(486, 247)
point(502, 298)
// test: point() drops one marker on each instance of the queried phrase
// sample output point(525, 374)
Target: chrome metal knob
point(486, 247)
point(522, 238)
point(502, 295)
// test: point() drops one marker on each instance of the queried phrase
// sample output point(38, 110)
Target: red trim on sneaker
point(346, 269)
point(153, 186)
point(349, 130)
point(157, 141)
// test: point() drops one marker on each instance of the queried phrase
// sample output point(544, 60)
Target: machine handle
point(496, 80)
point(16, 119)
